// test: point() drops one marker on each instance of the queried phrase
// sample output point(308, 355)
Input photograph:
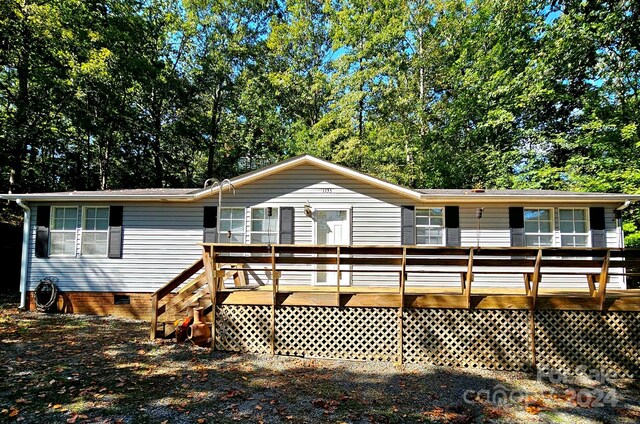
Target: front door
point(332, 228)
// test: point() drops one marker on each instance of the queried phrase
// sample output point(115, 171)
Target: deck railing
point(594, 266)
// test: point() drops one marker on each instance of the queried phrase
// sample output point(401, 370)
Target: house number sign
point(327, 190)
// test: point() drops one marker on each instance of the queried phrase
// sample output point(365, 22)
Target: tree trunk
point(104, 165)
point(22, 109)
point(157, 152)
point(214, 131)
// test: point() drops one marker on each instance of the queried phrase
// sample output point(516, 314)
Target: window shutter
point(452, 223)
point(408, 225)
point(42, 231)
point(597, 224)
point(210, 222)
point(114, 251)
point(516, 225)
point(287, 225)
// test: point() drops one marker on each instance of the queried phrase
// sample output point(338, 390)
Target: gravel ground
point(77, 369)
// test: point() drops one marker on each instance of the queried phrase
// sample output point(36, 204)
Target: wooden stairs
point(187, 290)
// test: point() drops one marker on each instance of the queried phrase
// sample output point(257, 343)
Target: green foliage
point(446, 93)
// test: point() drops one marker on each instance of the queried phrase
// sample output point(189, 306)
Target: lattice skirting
point(593, 340)
point(493, 339)
point(489, 339)
point(331, 332)
point(243, 328)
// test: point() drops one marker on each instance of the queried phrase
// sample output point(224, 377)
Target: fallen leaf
point(72, 419)
point(534, 410)
point(57, 406)
point(318, 403)
point(14, 412)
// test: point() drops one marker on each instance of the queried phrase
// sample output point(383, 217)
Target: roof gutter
point(497, 199)
point(624, 206)
point(101, 198)
point(25, 254)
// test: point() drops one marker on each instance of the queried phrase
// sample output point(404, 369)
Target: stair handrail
point(179, 279)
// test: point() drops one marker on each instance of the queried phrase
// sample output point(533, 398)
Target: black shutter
point(210, 222)
point(287, 225)
point(597, 224)
point(115, 232)
point(408, 225)
point(516, 224)
point(452, 222)
point(42, 231)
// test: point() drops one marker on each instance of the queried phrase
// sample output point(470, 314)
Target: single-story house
point(131, 242)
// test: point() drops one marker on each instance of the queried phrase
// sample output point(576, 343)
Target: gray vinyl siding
point(161, 239)
point(374, 213)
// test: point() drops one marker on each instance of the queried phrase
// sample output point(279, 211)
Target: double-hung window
point(573, 227)
point(64, 221)
point(231, 225)
point(264, 226)
point(430, 226)
point(95, 231)
point(538, 227)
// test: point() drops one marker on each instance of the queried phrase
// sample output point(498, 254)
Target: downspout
point(618, 214)
point(25, 254)
point(619, 210)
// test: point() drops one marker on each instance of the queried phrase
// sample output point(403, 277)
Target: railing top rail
point(179, 279)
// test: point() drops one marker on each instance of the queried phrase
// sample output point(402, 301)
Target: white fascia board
point(34, 197)
point(520, 199)
point(307, 159)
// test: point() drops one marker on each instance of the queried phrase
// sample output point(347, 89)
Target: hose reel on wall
point(46, 294)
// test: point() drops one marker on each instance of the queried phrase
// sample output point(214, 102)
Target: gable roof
point(419, 195)
point(322, 164)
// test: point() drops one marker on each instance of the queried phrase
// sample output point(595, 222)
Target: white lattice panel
point(243, 328)
point(607, 341)
point(491, 339)
point(331, 332)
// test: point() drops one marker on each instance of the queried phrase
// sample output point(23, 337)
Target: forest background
point(108, 94)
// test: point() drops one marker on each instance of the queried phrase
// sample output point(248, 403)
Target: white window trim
point(244, 225)
point(275, 231)
point(588, 226)
point(553, 232)
point(52, 216)
point(82, 230)
point(444, 227)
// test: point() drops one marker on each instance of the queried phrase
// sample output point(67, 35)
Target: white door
point(332, 228)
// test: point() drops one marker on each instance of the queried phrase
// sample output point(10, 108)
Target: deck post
point(274, 298)
point(469, 278)
point(536, 279)
point(338, 275)
point(532, 326)
point(208, 258)
point(527, 283)
point(403, 275)
point(604, 276)
point(154, 317)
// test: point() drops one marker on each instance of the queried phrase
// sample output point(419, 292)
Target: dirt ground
point(85, 369)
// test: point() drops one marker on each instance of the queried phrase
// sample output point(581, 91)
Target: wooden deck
point(223, 262)
point(396, 315)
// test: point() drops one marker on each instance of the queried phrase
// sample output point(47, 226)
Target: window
point(64, 221)
point(231, 225)
point(264, 228)
point(429, 226)
point(573, 227)
point(95, 231)
point(538, 227)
